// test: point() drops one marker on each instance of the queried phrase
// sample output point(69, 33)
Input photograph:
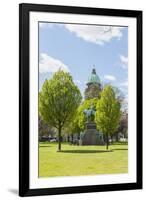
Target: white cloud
point(50, 64)
point(110, 77)
point(95, 34)
point(124, 61)
point(91, 33)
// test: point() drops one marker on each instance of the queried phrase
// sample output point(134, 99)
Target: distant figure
point(90, 114)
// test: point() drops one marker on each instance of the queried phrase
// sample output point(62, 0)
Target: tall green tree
point(58, 101)
point(107, 112)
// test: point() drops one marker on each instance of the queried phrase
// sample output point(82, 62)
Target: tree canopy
point(59, 100)
point(107, 112)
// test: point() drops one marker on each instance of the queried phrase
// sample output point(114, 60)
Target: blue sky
point(76, 48)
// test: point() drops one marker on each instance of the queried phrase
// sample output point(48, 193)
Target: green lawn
point(82, 160)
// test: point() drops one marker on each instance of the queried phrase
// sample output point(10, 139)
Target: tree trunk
point(59, 139)
point(72, 138)
point(112, 139)
point(68, 138)
point(117, 137)
point(78, 136)
point(107, 142)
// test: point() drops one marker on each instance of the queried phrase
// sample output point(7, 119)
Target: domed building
point(93, 86)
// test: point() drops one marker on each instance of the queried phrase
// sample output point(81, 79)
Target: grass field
point(82, 160)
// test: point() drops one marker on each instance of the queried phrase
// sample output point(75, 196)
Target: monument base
point(91, 136)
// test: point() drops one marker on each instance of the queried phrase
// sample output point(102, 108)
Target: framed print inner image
point(83, 99)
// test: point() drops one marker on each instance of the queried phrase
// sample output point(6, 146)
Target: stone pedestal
point(91, 136)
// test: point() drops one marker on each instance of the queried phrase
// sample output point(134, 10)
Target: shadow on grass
point(44, 146)
point(119, 149)
point(85, 151)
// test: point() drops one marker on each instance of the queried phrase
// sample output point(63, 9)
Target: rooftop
point(94, 78)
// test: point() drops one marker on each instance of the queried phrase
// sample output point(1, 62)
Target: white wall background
point(9, 97)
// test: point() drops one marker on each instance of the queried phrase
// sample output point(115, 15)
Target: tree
point(123, 127)
point(45, 129)
point(58, 101)
point(107, 112)
point(72, 129)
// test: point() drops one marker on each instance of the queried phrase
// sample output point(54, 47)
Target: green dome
point(94, 78)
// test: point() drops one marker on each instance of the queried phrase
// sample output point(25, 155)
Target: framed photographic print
point(80, 99)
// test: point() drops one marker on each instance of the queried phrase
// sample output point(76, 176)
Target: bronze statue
point(89, 114)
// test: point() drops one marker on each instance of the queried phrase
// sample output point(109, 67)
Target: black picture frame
point(24, 10)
